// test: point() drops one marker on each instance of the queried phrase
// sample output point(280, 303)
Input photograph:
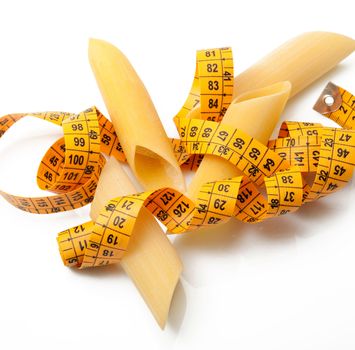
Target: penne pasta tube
point(255, 112)
point(300, 61)
point(139, 129)
point(151, 261)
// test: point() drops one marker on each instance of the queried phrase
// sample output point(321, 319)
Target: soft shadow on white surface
point(316, 210)
point(177, 309)
point(228, 238)
point(116, 272)
point(236, 241)
point(113, 271)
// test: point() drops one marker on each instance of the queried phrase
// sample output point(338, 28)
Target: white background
point(283, 284)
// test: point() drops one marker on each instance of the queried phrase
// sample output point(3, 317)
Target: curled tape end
point(329, 101)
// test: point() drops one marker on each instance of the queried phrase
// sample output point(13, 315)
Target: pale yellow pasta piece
point(140, 131)
point(151, 261)
point(255, 112)
point(300, 61)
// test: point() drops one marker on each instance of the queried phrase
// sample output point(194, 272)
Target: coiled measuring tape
point(72, 165)
point(301, 148)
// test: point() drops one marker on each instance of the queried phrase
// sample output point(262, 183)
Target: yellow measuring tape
point(337, 104)
point(72, 166)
